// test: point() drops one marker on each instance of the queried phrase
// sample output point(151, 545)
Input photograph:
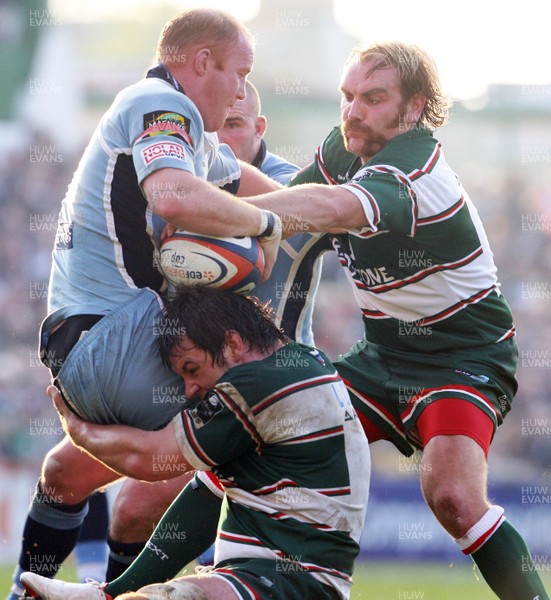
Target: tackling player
point(274, 421)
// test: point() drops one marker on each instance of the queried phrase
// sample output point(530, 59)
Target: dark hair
point(205, 315)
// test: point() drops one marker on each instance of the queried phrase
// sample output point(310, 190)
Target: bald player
point(244, 130)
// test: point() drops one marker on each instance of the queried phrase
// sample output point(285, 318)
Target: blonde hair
point(213, 28)
point(417, 74)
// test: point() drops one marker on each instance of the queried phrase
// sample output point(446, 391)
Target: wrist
point(268, 221)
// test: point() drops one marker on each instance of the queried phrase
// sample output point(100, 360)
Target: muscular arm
point(184, 200)
point(127, 450)
point(319, 208)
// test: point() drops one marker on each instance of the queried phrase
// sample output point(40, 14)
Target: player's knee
point(57, 477)
point(441, 494)
point(129, 521)
point(65, 474)
point(444, 501)
point(455, 510)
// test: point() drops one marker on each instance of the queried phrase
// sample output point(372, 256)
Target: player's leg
point(194, 514)
point(239, 579)
point(58, 508)
point(91, 548)
point(136, 511)
point(454, 483)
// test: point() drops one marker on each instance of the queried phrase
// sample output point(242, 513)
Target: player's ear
point(201, 60)
point(234, 348)
point(414, 108)
point(261, 125)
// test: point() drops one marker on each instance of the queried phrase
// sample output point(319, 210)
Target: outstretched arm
point(254, 182)
point(318, 208)
point(186, 201)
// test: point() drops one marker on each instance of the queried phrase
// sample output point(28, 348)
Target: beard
point(367, 142)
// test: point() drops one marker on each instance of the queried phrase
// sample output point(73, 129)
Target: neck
point(258, 355)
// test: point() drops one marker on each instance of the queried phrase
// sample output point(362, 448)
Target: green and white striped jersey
point(284, 440)
point(422, 269)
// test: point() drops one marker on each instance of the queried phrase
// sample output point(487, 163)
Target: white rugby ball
point(231, 263)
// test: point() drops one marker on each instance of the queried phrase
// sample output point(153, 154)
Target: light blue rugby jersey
point(277, 167)
point(105, 247)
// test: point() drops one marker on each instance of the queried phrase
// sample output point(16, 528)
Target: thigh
point(420, 381)
point(115, 373)
point(486, 375)
point(213, 588)
point(140, 505)
point(71, 475)
point(275, 579)
point(455, 416)
point(366, 376)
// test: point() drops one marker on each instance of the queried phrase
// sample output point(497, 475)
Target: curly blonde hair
point(417, 74)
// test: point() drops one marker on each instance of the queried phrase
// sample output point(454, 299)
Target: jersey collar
point(161, 72)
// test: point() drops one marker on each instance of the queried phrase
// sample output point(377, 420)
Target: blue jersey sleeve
point(165, 129)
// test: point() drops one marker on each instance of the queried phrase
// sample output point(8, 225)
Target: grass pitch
point(386, 581)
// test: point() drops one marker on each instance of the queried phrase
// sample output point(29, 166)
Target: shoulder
point(280, 372)
point(408, 152)
point(278, 168)
point(157, 99)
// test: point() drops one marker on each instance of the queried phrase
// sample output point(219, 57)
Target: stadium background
point(61, 67)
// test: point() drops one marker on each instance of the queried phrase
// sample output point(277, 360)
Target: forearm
point(129, 451)
point(190, 203)
point(314, 208)
point(253, 182)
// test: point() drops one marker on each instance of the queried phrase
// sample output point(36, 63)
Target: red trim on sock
point(480, 541)
point(103, 588)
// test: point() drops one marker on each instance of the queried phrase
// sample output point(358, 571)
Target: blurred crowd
point(32, 183)
point(515, 208)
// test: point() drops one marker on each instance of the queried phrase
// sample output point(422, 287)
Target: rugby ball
point(231, 263)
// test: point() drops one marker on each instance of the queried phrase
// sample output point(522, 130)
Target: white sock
point(480, 532)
